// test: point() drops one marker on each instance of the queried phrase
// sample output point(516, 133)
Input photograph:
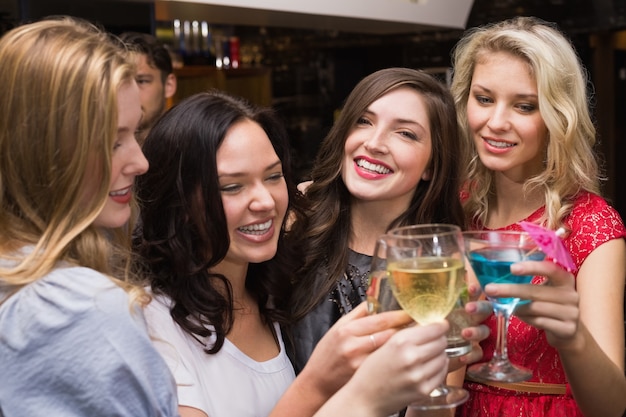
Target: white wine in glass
point(426, 269)
point(426, 287)
point(457, 318)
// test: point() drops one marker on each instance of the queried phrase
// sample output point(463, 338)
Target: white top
point(228, 383)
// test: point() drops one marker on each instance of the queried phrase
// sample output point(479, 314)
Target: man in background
point(155, 77)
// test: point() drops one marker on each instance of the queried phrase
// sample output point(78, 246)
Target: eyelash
point(527, 108)
point(524, 108)
point(236, 187)
point(363, 121)
point(230, 188)
point(276, 176)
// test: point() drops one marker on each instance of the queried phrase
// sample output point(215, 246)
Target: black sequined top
point(347, 294)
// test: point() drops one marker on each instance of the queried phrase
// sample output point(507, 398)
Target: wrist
point(309, 383)
point(313, 381)
point(348, 401)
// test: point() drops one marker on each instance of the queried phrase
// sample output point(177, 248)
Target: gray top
point(71, 345)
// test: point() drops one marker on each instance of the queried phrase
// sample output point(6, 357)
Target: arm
point(335, 359)
point(348, 345)
point(595, 367)
point(411, 364)
point(185, 411)
point(584, 324)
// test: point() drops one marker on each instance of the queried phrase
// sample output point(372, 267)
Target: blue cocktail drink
point(491, 254)
point(493, 265)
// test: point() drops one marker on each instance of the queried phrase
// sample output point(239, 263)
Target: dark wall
point(115, 16)
point(313, 71)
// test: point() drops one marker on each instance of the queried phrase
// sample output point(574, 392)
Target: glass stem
point(503, 314)
point(440, 390)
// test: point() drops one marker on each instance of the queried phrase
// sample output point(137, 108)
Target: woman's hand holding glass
point(380, 299)
point(555, 304)
point(491, 254)
point(424, 267)
point(380, 386)
point(348, 343)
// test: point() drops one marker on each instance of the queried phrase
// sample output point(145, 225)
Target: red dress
point(592, 222)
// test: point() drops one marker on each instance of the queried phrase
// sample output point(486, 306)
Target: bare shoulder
point(302, 187)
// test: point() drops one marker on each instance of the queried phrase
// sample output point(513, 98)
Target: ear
point(170, 86)
point(427, 175)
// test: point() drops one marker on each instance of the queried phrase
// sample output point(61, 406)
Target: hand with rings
point(373, 340)
point(410, 364)
point(555, 304)
point(349, 342)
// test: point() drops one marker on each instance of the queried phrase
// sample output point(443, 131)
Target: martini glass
point(491, 253)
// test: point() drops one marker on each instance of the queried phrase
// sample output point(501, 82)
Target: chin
point(261, 257)
point(112, 221)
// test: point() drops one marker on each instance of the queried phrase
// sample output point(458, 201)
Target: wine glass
point(380, 298)
point(491, 253)
point(458, 318)
point(425, 271)
point(379, 295)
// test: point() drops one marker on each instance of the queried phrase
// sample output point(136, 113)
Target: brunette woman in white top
point(214, 211)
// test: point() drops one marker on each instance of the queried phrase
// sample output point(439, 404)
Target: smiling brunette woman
point(391, 159)
point(213, 244)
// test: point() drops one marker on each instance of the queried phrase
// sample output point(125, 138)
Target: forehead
point(144, 64)
point(245, 145)
point(402, 104)
point(129, 106)
point(503, 58)
point(400, 95)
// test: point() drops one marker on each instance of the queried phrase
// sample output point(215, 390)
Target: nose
point(499, 119)
point(377, 143)
point(262, 199)
point(136, 164)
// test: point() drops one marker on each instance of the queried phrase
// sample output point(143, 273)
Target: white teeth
point(372, 167)
point(498, 144)
point(256, 229)
point(120, 192)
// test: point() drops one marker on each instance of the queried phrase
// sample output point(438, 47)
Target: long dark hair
point(183, 229)
point(326, 233)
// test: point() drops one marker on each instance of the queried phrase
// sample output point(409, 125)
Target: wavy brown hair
point(324, 237)
point(183, 231)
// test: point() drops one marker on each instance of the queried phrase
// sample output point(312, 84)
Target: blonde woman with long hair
point(523, 106)
point(72, 336)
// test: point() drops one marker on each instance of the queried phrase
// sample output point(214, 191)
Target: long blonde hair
point(58, 111)
point(562, 81)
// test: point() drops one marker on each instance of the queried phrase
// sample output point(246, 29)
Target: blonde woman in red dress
point(523, 106)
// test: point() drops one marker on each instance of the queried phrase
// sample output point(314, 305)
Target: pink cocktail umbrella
point(550, 243)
